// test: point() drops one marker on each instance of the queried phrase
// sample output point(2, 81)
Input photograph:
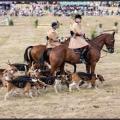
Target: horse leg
point(54, 68)
point(87, 68)
point(93, 65)
point(88, 71)
point(62, 71)
point(93, 83)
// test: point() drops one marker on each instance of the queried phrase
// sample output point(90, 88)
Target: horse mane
point(93, 42)
point(99, 36)
point(96, 38)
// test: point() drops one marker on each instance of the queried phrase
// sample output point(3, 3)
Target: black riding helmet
point(78, 16)
point(54, 24)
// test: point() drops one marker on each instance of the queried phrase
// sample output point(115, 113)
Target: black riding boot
point(82, 58)
point(81, 51)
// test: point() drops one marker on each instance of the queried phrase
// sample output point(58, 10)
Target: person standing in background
point(99, 29)
point(115, 27)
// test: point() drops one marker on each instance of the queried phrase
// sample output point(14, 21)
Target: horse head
point(109, 42)
point(66, 41)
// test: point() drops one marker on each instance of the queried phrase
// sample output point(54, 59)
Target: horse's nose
point(111, 50)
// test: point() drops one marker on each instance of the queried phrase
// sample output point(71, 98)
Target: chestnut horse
point(62, 54)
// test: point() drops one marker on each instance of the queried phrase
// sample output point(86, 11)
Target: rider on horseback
point(78, 42)
point(52, 36)
point(52, 40)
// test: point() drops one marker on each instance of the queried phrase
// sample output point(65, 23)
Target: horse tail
point(27, 56)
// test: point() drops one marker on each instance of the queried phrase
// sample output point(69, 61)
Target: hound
point(18, 66)
point(45, 78)
point(61, 80)
point(2, 71)
point(76, 78)
point(24, 82)
point(1, 76)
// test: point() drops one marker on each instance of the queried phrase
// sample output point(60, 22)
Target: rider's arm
point(52, 35)
point(77, 30)
point(82, 33)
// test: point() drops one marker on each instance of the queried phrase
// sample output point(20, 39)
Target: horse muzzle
point(110, 50)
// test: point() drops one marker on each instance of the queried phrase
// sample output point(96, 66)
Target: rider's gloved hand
point(84, 35)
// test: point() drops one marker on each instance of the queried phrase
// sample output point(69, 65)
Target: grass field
point(87, 103)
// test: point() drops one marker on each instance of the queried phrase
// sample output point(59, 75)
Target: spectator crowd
point(63, 8)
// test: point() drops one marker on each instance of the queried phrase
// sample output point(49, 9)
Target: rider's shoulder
point(75, 24)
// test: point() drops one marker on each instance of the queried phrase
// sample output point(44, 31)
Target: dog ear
point(100, 77)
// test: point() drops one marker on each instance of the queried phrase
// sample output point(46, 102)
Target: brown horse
point(62, 54)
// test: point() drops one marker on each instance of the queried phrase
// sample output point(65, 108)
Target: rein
point(105, 54)
point(87, 39)
point(102, 50)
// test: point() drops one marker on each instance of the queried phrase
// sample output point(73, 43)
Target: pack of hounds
point(20, 79)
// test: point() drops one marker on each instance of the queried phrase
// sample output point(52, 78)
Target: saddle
point(83, 54)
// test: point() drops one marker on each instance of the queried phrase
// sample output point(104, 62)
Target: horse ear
point(100, 77)
point(9, 62)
